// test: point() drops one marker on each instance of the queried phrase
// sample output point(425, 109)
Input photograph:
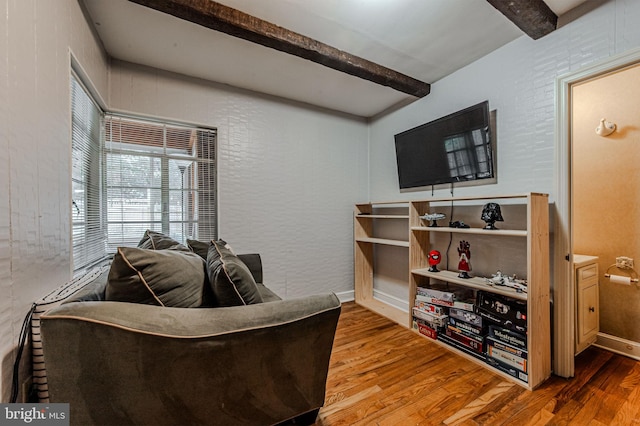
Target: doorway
point(594, 196)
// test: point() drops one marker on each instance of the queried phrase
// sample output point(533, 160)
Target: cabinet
point(530, 234)
point(587, 290)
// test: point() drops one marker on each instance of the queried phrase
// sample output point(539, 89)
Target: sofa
point(199, 359)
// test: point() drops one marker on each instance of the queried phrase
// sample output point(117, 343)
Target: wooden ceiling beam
point(233, 22)
point(533, 17)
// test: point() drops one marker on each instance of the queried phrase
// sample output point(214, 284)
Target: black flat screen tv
point(454, 148)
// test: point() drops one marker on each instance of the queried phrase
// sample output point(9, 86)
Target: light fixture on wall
point(605, 128)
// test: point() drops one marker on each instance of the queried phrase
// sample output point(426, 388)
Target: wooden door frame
point(564, 291)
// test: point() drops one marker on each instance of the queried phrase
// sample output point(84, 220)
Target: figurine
point(434, 259)
point(433, 217)
point(458, 224)
point(491, 214)
point(464, 265)
point(500, 279)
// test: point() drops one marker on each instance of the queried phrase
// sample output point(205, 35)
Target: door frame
point(564, 307)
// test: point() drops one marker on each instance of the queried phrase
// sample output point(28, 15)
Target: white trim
point(564, 290)
point(618, 345)
point(396, 302)
point(346, 296)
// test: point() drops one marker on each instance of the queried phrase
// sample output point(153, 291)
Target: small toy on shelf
point(458, 224)
point(491, 214)
point(434, 260)
point(500, 279)
point(464, 265)
point(433, 217)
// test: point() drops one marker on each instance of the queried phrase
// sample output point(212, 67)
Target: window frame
point(204, 196)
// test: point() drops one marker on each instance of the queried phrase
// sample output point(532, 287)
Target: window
point(159, 177)
point(130, 175)
point(87, 208)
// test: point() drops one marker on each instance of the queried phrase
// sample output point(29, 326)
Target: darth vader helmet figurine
point(491, 214)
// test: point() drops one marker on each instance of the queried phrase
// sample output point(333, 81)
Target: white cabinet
point(587, 309)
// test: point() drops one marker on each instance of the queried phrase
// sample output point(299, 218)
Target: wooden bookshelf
point(534, 235)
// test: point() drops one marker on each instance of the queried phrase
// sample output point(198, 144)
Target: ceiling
point(424, 39)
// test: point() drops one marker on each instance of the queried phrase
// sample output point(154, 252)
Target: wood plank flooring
point(383, 374)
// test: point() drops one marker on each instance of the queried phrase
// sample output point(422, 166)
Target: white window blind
point(161, 177)
point(87, 208)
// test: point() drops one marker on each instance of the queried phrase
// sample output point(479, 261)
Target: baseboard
point(394, 301)
point(346, 296)
point(618, 345)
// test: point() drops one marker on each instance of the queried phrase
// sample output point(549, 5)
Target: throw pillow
point(201, 248)
point(154, 240)
point(156, 277)
point(229, 277)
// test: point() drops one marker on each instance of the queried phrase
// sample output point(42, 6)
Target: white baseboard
point(346, 296)
point(618, 345)
point(396, 302)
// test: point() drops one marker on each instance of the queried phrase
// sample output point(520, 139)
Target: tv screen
point(454, 148)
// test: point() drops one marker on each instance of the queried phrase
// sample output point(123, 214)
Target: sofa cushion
point(230, 278)
point(157, 277)
point(154, 240)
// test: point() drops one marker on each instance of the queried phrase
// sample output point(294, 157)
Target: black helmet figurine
point(491, 214)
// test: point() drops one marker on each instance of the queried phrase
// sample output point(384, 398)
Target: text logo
point(34, 414)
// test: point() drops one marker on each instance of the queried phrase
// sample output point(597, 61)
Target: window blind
point(161, 177)
point(87, 208)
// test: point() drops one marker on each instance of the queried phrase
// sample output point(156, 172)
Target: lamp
point(182, 166)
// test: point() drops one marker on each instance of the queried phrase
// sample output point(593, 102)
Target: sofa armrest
point(122, 363)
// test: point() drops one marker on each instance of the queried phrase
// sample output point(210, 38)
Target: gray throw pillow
point(201, 248)
point(157, 277)
point(229, 277)
point(154, 240)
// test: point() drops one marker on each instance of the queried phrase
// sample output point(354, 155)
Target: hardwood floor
point(384, 374)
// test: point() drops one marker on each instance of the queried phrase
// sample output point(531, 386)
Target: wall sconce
point(605, 128)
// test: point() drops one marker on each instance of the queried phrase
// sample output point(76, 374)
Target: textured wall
point(288, 174)
point(35, 39)
point(519, 82)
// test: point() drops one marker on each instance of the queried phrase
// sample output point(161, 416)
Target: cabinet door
point(588, 312)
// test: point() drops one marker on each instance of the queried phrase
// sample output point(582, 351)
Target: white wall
point(35, 39)
point(288, 174)
point(519, 82)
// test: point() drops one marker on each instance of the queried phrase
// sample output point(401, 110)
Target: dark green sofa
point(119, 363)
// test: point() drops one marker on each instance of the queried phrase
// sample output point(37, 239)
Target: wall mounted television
point(457, 148)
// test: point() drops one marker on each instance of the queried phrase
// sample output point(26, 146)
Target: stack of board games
point(492, 328)
point(431, 307)
point(507, 351)
point(501, 310)
point(430, 311)
point(465, 331)
point(506, 340)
